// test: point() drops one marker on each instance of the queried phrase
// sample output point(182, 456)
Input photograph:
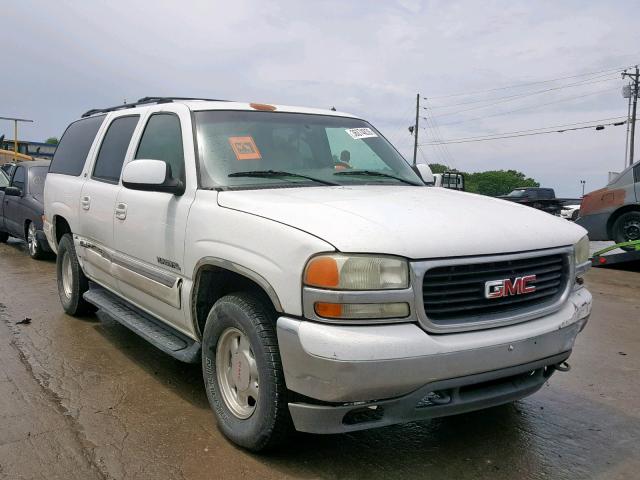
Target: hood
point(413, 222)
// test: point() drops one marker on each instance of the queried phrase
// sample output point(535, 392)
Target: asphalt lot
point(81, 399)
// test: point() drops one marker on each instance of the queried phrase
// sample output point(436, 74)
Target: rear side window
point(162, 140)
point(19, 179)
point(74, 146)
point(113, 149)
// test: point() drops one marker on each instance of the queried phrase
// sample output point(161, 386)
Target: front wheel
point(243, 373)
point(627, 228)
point(71, 280)
point(35, 250)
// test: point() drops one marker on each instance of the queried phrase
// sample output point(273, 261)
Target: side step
point(154, 331)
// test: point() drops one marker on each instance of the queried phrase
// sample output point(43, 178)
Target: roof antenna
point(333, 109)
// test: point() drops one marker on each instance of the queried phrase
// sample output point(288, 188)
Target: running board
point(154, 331)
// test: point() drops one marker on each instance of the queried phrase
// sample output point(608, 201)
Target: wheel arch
point(215, 277)
point(60, 227)
point(633, 207)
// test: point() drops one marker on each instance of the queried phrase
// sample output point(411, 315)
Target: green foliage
point(51, 141)
point(492, 182)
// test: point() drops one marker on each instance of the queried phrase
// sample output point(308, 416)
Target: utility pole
point(583, 184)
point(634, 77)
point(415, 130)
point(15, 133)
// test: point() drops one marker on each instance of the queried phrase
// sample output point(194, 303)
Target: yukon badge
point(508, 287)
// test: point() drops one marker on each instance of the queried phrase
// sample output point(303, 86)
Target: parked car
point(613, 212)
point(21, 206)
point(537, 197)
point(570, 212)
point(318, 298)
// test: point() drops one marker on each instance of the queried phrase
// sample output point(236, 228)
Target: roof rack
point(145, 101)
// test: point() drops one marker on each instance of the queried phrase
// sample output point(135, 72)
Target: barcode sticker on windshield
point(357, 133)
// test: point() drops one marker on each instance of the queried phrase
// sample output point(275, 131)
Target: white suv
point(295, 253)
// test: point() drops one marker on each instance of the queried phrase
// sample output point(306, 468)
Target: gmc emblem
point(507, 287)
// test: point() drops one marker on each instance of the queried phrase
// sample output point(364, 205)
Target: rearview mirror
point(13, 192)
point(424, 171)
point(151, 176)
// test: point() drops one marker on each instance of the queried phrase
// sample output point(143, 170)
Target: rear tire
point(4, 236)
point(72, 282)
point(33, 245)
point(627, 228)
point(243, 373)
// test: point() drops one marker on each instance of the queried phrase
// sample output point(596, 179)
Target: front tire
point(627, 228)
point(72, 282)
point(33, 245)
point(243, 373)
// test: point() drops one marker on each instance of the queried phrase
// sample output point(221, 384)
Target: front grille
point(457, 292)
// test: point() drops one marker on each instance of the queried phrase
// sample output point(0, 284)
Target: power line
point(616, 69)
point(531, 134)
point(511, 98)
point(531, 106)
point(548, 127)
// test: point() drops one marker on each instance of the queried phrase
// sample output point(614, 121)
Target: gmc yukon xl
point(296, 255)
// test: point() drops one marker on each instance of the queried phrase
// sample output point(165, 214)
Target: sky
point(369, 58)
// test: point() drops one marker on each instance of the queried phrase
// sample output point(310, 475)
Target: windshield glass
point(517, 193)
point(241, 149)
point(4, 180)
point(37, 176)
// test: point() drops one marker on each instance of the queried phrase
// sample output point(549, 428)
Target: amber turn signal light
point(322, 272)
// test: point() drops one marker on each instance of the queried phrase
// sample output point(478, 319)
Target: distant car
point(21, 206)
point(613, 212)
point(536, 197)
point(570, 212)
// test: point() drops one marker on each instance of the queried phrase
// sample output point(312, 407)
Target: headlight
point(581, 249)
point(357, 272)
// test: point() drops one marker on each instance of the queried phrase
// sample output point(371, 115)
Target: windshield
point(241, 149)
point(4, 180)
point(518, 193)
point(37, 177)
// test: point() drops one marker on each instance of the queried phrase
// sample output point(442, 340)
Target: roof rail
point(144, 101)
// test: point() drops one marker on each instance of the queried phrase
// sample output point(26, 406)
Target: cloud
point(370, 58)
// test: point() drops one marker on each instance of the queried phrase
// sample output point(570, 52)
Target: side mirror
point(151, 176)
point(424, 171)
point(13, 192)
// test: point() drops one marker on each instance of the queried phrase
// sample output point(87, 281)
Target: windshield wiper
point(374, 173)
point(276, 174)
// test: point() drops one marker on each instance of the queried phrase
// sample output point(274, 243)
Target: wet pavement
point(84, 399)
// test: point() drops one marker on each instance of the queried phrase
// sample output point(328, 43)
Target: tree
point(51, 141)
point(439, 168)
point(497, 182)
point(492, 182)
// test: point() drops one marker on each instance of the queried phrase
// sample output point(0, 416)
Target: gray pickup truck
point(21, 205)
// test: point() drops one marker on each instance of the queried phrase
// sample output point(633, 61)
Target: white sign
point(358, 133)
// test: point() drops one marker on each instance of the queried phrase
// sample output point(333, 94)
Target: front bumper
point(354, 367)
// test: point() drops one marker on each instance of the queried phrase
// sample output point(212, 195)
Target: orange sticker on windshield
point(245, 148)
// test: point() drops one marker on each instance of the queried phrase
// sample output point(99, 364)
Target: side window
point(113, 149)
point(19, 179)
point(636, 171)
point(74, 146)
point(162, 140)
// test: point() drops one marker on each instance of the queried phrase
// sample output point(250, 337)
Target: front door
point(12, 205)
point(150, 226)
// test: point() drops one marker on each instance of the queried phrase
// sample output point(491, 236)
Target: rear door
point(150, 226)
point(98, 199)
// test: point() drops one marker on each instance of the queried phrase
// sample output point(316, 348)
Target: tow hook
point(562, 367)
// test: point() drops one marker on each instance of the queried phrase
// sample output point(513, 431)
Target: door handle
point(85, 201)
point(121, 211)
